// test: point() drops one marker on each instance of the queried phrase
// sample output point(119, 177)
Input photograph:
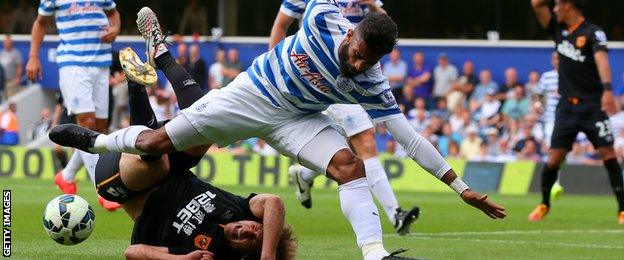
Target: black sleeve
point(598, 40)
point(181, 161)
point(551, 30)
point(179, 250)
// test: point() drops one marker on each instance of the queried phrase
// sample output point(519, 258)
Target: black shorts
point(586, 117)
point(65, 118)
point(108, 181)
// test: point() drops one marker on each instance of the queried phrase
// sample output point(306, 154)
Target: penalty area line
point(516, 242)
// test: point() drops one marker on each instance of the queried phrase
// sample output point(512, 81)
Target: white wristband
point(458, 186)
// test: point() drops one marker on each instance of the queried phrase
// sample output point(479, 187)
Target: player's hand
point(483, 203)
point(197, 255)
point(33, 69)
point(609, 105)
point(111, 34)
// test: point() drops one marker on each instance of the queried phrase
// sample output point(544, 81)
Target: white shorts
point(85, 89)
point(239, 111)
point(352, 118)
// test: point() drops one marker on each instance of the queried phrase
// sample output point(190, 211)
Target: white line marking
point(519, 232)
point(536, 243)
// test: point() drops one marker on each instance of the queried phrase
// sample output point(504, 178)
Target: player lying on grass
point(174, 211)
point(279, 99)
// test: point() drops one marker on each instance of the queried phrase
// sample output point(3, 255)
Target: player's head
point(564, 9)
point(246, 236)
point(372, 38)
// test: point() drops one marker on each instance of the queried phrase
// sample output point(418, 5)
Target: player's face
point(355, 57)
point(244, 235)
point(561, 10)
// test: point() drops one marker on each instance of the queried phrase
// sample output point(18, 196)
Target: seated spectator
point(518, 105)
point(215, 75)
point(463, 87)
point(533, 81)
point(182, 58)
point(485, 83)
point(419, 104)
point(482, 155)
point(444, 75)
point(194, 19)
point(453, 150)
point(232, 67)
point(419, 78)
point(42, 125)
point(529, 151)
point(459, 119)
point(435, 125)
point(420, 120)
point(197, 67)
point(494, 143)
point(511, 80)
point(406, 99)
point(441, 110)
point(382, 136)
point(9, 126)
point(396, 71)
point(447, 137)
point(488, 109)
point(471, 144)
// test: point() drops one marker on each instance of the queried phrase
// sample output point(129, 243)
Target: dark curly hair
point(578, 4)
point(379, 33)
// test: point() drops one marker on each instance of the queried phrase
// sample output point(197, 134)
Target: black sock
point(615, 178)
point(186, 88)
point(141, 112)
point(549, 176)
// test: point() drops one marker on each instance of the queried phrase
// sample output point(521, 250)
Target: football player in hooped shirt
point(352, 119)
point(279, 99)
point(586, 95)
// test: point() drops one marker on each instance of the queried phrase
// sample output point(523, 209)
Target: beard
point(345, 69)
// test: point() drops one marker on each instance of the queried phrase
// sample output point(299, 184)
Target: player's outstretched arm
point(269, 208)
point(540, 7)
point(141, 251)
point(279, 29)
point(372, 6)
point(425, 154)
point(33, 67)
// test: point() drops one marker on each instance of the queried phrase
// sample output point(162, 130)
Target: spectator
point(511, 80)
point(262, 148)
point(447, 137)
point(182, 58)
point(396, 71)
point(406, 99)
point(463, 87)
point(42, 126)
point(518, 105)
point(197, 67)
point(470, 145)
point(119, 89)
point(494, 143)
point(11, 61)
point(453, 150)
point(161, 102)
point(459, 119)
point(194, 19)
point(232, 67)
point(485, 83)
point(24, 17)
point(441, 110)
point(382, 137)
point(443, 75)
point(533, 81)
point(215, 75)
point(419, 104)
point(576, 155)
point(529, 151)
point(419, 78)
point(488, 109)
point(9, 126)
point(420, 120)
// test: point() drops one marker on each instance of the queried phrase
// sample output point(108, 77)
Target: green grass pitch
point(579, 227)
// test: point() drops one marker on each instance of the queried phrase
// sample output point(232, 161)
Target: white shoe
point(303, 188)
point(148, 25)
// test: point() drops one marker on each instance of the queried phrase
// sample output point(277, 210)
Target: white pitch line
point(520, 232)
point(539, 243)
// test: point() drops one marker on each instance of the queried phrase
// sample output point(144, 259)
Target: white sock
point(379, 184)
point(374, 251)
point(72, 167)
point(120, 141)
point(358, 207)
point(90, 160)
point(308, 175)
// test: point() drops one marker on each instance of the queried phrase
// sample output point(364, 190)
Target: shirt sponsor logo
point(87, 8)
point(315, 79)
point(194, 212)
point(566, 48)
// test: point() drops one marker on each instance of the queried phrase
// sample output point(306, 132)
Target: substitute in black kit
point(586, 94)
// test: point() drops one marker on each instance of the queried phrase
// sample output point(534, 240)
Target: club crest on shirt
point(580, 41)
point(344, 84)
point(202, 241)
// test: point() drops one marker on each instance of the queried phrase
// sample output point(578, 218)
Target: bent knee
point(346, 167)
point(154, 142)
point(364, 144)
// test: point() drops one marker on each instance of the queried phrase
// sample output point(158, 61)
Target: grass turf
point(579, 227)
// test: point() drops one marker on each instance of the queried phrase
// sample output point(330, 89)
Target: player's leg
point(564, 133)
point(365, 148)
point(598, 131)
point(557, 189)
